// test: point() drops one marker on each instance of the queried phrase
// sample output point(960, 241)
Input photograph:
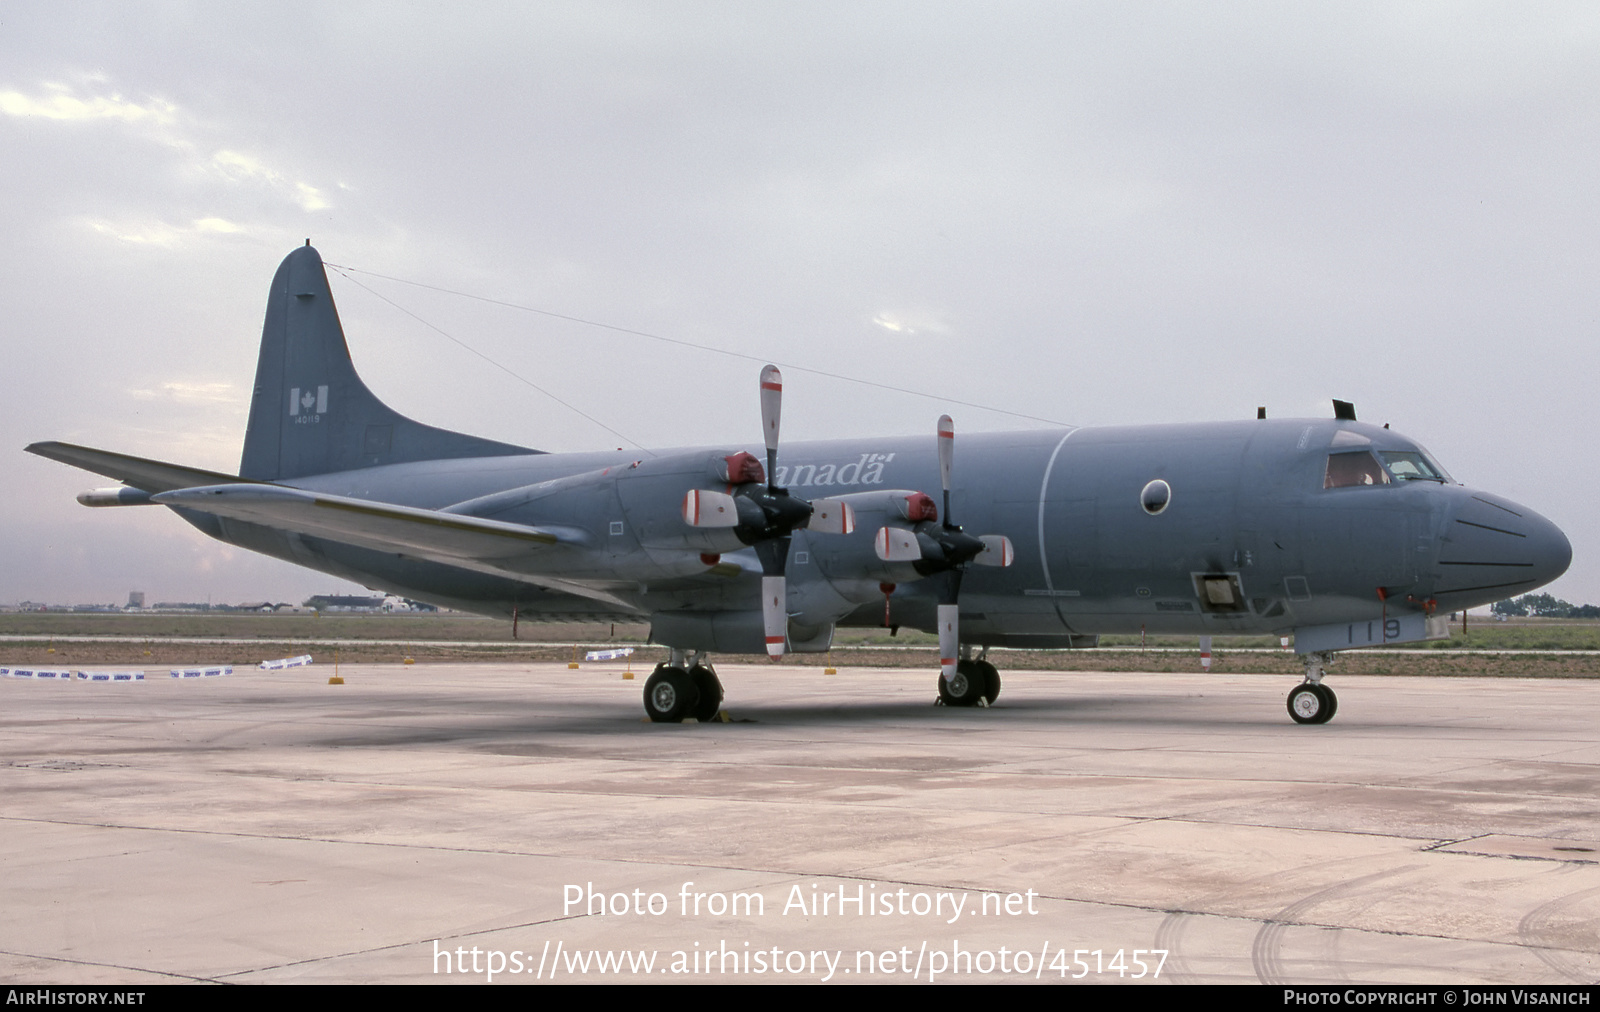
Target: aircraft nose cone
point(1494, 548)
point(1552, 550)
point(1548, 550)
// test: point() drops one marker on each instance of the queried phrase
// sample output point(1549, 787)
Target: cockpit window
point(1407, 465)
point(1356, 468)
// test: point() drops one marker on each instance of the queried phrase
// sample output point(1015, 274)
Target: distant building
point(135, 599)
point(344, 602)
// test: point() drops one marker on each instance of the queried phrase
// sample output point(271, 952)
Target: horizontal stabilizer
point(148, 475)
point(425, 534)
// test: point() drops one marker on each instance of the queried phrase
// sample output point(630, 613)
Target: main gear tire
point(670, 695)
point(710, 688)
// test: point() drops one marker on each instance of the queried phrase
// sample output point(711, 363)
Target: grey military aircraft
point(1338, 533)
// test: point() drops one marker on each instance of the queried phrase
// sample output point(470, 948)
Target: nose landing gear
point(1311, 702)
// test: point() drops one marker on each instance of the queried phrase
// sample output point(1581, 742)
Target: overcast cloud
point(1092, 213)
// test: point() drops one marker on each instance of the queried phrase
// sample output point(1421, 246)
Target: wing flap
point(428, 534)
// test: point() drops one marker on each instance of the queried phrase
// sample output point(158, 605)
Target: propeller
point(765, 518)
point(942, 549)
point(958, 548)
point(783, 513)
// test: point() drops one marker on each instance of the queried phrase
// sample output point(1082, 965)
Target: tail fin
point(310, 413)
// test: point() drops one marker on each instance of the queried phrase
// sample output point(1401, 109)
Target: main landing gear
point(976, 682)
point(1311, 702)
point(683, 687)
point(686, 686)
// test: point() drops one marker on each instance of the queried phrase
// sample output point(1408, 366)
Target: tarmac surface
point(434, 823)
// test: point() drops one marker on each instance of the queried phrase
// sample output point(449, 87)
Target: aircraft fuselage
point(1250, 541)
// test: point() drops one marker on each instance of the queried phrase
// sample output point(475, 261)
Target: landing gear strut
point(1311, 702)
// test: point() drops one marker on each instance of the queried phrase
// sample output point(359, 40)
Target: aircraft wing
point(466, 542)
point(494, 545)
point(137, 472)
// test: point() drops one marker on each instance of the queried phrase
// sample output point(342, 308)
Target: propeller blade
point(832, 516)
point(774, 614)
point(704, 508)
point(947, 446)
point(771, 414)
point(958, 549)
point(997, 551)
point(895, 545)
point(949, 639)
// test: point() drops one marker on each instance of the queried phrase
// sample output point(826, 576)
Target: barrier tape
point(286, 662)
point(226, 669)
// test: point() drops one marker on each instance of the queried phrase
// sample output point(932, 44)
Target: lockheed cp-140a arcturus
point(1338, 533)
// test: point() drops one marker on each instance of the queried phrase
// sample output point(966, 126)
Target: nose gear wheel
point(1312, 703)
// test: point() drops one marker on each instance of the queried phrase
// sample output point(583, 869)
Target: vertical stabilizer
point(310, 413)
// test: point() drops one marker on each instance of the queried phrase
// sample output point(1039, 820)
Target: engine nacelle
point(647, 495)
point(731, 632)
point(855, 562)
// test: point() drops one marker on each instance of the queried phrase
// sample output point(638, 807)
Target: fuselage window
point(1356, 468)
point(1155, 496)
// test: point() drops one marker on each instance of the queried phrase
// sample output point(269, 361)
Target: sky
point(1094, 213)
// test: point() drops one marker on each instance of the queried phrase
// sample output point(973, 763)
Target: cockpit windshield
point(1351, 468)
point(1407, 465)
point(1358, 467)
